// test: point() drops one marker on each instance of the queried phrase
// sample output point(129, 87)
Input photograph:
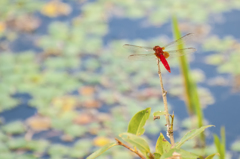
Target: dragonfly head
point(157, 48)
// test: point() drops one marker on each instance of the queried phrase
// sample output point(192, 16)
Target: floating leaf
point(38, 123)
point(137, 122)
point(3, 137)
point(2, 27)
point(186, 123)
point(16, 127)
point(38, 146)
point(17, 143)
point(83, 144)
point(191, 134)
point(83, 119)
point(58, 150)
point(236, 146)
point(162, 145)
point(87, 91)
point(55, 8)
point(215, 59)
point(77, 153)
point(102, 150)
point(74, 130)
point(3, 148)
point(61, 124)
point(8, 155)
point(101, 141)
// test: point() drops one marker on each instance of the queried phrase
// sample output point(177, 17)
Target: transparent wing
point(142, 57)
point(181, 52)
point(137, 48)
point(183, 40)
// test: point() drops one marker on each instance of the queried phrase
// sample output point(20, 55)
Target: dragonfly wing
point(181, 52)
point(183, 40)
point(137, 48)
point(142, 57)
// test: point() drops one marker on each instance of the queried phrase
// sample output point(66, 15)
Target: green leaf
point(219, 146)
point(102, 150)
point(17, 143)
point(59, 30)
point(26, 156)
point(179, 153)
point(212, 155)
point(3, 148)
point(236, 146)
point(38, 146)
point(159, 113)
point(223, 141)
point(137, 141)
point(83, 144)
point(157, 156)
point(137, 122)
point(191, 134)
point(74, 130)
point(8, 155)
point(215, 59)
point(193, 100)
point(3, 136)
point(16, 127)
point(58, 150)
point(75, 153)
point(162, 145)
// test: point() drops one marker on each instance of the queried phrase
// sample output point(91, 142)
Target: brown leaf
point(91, 104)
point(56, 8)
point(101, 141)
point(38, 123)
point(66, 103)
point(2, 27)
point(83, 119)
point(87, 90)
point(24, 23)
point(101, 117)
point(67, 138)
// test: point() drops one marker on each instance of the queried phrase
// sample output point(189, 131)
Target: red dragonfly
point(160, 52)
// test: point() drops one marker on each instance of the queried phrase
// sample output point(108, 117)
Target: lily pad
point(16, 127)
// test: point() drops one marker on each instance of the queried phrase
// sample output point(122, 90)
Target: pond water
point(223, 112)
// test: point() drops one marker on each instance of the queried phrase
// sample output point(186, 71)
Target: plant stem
point(164, 95)
point(135, 151)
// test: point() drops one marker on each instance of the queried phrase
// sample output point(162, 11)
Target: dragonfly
point(162, 53)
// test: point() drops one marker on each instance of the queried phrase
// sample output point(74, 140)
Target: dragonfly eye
point(155, 48)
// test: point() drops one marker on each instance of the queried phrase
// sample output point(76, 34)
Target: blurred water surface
point(64, 89)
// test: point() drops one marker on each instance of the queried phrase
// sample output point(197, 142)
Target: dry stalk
point(134, 151)
point(164, 95)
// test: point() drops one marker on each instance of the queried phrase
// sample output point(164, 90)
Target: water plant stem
point(133, 150)
point(164, 95)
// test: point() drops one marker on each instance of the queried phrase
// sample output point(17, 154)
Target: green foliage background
point(54, 51)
